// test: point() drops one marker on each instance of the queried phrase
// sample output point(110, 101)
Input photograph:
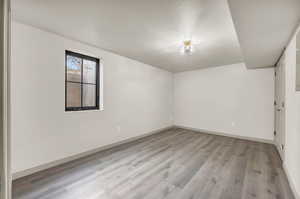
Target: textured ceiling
point(150, 31)
point(264, 28)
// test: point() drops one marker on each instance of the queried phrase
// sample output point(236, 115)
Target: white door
point(279, 106)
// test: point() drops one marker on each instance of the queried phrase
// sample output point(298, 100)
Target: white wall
point(229, 99)
point(292, 123)
point(137, 98)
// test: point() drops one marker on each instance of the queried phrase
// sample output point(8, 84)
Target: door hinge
point(275, 103)
point(275, 133)
point(282, 147)
point(282, 104)
point(275, 73)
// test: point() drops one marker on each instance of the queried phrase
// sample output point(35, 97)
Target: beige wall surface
point(137, 99)
point(229, 99)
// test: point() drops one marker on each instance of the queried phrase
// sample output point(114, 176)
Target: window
point(82, 82)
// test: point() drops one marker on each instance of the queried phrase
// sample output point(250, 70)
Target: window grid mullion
point(81, 85)
point(82, 107)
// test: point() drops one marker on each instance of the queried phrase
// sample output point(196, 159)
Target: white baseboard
point(33, 170)
point(292, 185)
point(278, 148)
point(226, 134)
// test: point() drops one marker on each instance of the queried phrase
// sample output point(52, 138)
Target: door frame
point(5, 101)
point(280, 121)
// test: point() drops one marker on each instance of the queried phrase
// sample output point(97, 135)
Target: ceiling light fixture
point(187, 46)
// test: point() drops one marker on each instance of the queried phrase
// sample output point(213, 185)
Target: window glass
point(74, 69)
point(74, 94)
point(89, 72)
point(88, 95)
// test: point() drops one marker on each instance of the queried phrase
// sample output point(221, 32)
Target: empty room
point(150, 99)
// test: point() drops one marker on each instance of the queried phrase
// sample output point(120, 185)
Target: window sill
point(83, 110)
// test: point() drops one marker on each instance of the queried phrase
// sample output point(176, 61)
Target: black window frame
point(83, 57)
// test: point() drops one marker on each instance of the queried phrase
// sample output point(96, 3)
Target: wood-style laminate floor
point(175, 164)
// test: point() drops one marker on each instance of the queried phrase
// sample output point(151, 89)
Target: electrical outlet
point(171, 118)
point(118, 128)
